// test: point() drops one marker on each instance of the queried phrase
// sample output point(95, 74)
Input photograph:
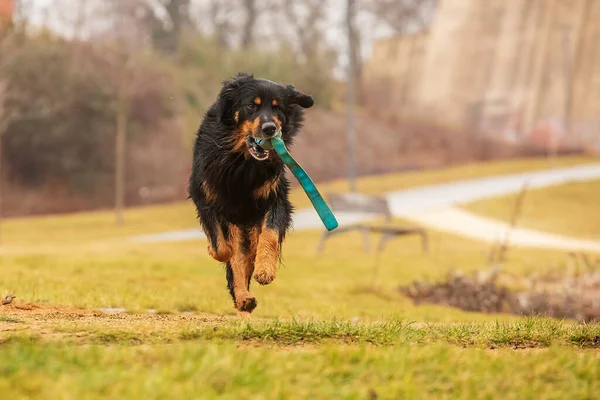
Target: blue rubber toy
point(307, 184)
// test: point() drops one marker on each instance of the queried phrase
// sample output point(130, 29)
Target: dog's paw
point(222, 255)
point(264, 276)
point(247, 304)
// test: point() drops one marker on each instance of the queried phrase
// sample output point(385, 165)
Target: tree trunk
point(1, 173)
point(120, 143)
point(178, 15)
point(3, 127)
point(221, 27)
point(251, 14)
point(358, 66)
point(351, 95)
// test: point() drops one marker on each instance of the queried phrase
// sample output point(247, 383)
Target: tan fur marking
point(208, 193)
point(220, 251)
point(254, 235)
point(257, 101)
point(277, 121)
point(267, 255)
point(274, 103)
point(265, 190)
point(242, 267)
point(236, 116)
point(240, 136)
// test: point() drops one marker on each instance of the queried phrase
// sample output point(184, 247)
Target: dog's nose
point(268, 129)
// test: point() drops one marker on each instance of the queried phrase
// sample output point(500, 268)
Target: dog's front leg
point(271, 236)
point(218, 246)
point(239, 268)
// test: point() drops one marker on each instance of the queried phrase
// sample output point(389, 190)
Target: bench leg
point(383, 241)
point(327, 234)
point(321, 245)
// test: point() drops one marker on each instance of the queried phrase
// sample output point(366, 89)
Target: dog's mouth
point(255, 150)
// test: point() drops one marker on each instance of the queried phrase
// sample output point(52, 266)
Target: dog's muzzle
point(268, 131)
point(255, 150)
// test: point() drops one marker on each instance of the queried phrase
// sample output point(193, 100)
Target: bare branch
point(219, 12)
point(403, 16)
point(251, 12)
point(306, 20)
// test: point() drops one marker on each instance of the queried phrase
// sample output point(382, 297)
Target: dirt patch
point(51, 323)
point(557, 294)
point(18, 308)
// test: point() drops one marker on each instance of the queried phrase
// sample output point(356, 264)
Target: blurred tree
point(307, 20)
point(355, 63)
point(219, 13)
point(127, 84)
point(403, 16)
point(81, 113)
point(161, 21)
point(4, 121)
point(67, 100)
point(231, 23)
point(52, 100)
point(167, 34)
point(351, 83)
point(251, 14)
point(6, 117)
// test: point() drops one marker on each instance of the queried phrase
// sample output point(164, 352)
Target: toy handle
point(307, 184)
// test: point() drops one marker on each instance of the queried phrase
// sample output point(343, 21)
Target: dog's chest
point(243, 194)
point(242, 208)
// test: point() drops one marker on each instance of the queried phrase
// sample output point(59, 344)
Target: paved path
point(433, 206)
point(466, 224)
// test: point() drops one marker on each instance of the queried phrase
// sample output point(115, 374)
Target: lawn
point(210, 369)
point(331, 325)
point(84, 227)
point(568, 209)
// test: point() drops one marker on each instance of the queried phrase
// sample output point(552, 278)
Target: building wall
point(508, 53)
point(394, 70)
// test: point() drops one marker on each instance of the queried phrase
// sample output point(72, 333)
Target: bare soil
point(51, 322)
point(557, 294)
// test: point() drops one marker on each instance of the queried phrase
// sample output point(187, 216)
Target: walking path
point(434, 206)
point(466, 224)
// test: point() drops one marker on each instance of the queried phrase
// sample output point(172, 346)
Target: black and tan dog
point(239, 188)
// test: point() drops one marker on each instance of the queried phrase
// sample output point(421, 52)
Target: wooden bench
point(377, 206)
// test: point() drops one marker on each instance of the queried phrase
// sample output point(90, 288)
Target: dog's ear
point(223, 107)
point(296, 97)
point(226, 98)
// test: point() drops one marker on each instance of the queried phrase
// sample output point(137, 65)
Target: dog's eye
point(275, 107)
point(251, 106)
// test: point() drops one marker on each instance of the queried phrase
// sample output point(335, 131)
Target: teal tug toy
point(307, 184)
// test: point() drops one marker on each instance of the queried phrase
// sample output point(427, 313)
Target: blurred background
point(100, 99)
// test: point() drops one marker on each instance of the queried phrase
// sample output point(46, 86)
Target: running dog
point(239, 188)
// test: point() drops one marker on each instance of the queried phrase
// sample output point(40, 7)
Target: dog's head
point(258, 109)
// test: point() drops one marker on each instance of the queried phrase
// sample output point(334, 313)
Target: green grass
point(529, 332)
point(100, 225)
point(530, 358)
point(331, 325)
point(343, 281)
point(211, 369)
point(568, 209)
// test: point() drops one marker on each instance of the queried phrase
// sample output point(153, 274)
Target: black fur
point(224, 177)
